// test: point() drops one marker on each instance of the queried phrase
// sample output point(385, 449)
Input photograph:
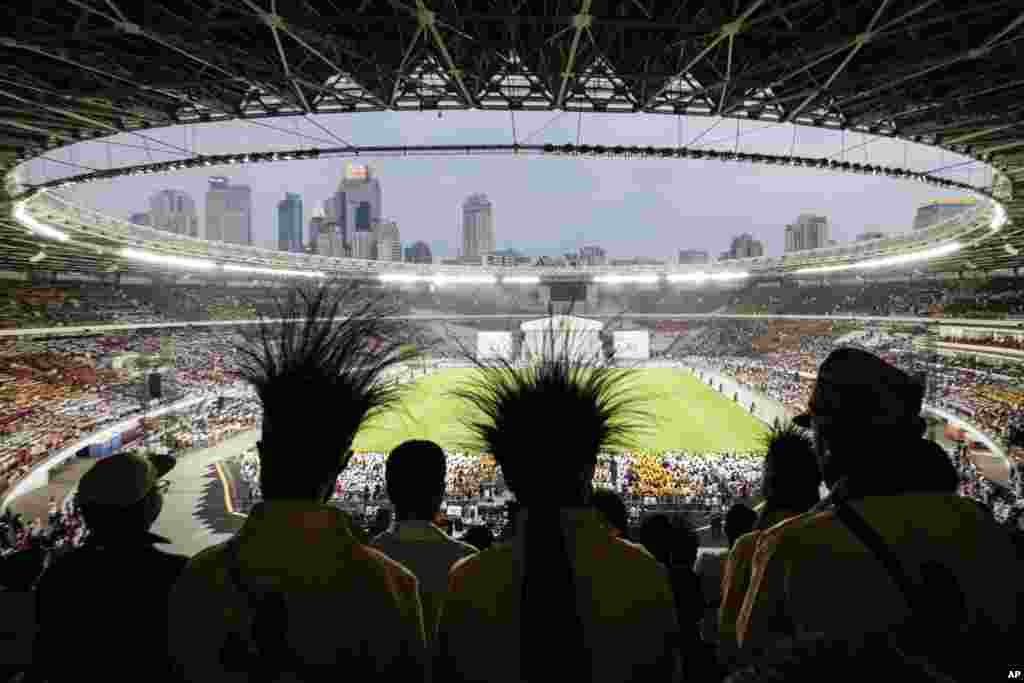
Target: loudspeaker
point(155, 390)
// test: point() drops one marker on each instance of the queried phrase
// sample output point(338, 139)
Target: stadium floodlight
point(441, 279)
point(161, 260)
point(626, 279)
point(736, 275)
point(999, 219)
point(885, 262)
point(699, 276)
point(230, 267)
point(23, 217)
point(407, 278)
point(520, 280)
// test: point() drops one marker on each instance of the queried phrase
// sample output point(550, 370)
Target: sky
point(541, 205)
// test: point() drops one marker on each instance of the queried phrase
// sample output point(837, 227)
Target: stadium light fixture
point(402, 278)
point(885, 262)
point(161, 260)
point(230, 267)
point(22, 215)
point(701, 276)
point(520, 280)
point(626, 279)
point(441, 279)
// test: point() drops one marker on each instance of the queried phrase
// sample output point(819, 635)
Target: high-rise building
point(870, 235)
point(315, 224)
point(743, 246)
point(693, 257)
point(358, 203)
point(938, 211)
point(228, 212)
point(388, 241)
point(289, 223)
point(361, 245)
point(329, 242)
point(809, 232)
point(477, 227)
point(141, 218)
point(419, 252)
point(174, 211)
point(593, 256)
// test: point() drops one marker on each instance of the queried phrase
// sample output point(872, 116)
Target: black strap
point(874, 541)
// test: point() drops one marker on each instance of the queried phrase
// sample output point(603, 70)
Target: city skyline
point(632, 207)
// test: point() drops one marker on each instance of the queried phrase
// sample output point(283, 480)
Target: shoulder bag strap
point(881, 550)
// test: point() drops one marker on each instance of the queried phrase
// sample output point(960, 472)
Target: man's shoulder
point(793, 532)
point(482, 562)
point(391, 568)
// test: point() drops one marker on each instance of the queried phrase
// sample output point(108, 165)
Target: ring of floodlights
point(578, 151)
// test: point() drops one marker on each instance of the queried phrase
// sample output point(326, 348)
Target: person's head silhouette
point(791, 481)
point(415, 479)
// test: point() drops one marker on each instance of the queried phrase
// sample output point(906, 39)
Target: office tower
point(809, 232)
point(141, 218)
point(593, 256)
point(419, 252)
point(939, 211)
point(744, 246)
point(361, 245)
point(228, 212)
point(388, 241)
point(289, 223)
point(477, 227)
point(358, 203)
point(870, 235)
point(174, 211)
point(689, 257)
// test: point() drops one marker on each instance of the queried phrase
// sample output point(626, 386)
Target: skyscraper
point(688, 257)
point(388, 241)
point(289, 223)
point(174, 211)
point(357, 204)
point(593, 256)
point(228, 212)
point(477, 227)
point(809, 232)
point(419, 252)
point(743, 246)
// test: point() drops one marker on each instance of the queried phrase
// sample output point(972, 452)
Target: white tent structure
point(579, 336)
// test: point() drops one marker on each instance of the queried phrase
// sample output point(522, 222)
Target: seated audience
point(942, 579)
point(415, 484)
point(115, 587)
point(260, 604)
point(562, 593)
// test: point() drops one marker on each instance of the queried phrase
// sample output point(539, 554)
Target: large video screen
point(568, 291)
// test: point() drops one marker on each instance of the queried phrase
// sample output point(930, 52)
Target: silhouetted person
point(266, 604)
point(479, 537)
point(563, 595)
point(115, 587)
point(739, 520)
point(929, 567)
point(415, 482)
point(790, 486)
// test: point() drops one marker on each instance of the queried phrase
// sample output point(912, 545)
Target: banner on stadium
point(632, 344)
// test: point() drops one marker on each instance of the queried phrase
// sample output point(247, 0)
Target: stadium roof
point(939, 72)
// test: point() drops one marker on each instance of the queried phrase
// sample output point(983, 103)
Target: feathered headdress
point(319, 368)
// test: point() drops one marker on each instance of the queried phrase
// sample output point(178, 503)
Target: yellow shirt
point(624, 597)
point(812, 575)
point(306, 552)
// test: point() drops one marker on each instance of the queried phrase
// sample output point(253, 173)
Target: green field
point(688, 416)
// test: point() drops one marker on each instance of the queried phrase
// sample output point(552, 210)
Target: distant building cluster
point(808, 232)
point(743, 246)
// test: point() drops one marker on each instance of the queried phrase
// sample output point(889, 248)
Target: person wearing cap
point(892, 545)
point(295, 594)
point(114, 588)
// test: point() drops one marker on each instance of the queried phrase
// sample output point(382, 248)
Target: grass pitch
point(688, 416)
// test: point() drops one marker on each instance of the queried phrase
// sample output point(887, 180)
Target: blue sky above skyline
point(542, 205)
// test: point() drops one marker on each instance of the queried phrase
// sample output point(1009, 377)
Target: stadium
point(119, 338)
